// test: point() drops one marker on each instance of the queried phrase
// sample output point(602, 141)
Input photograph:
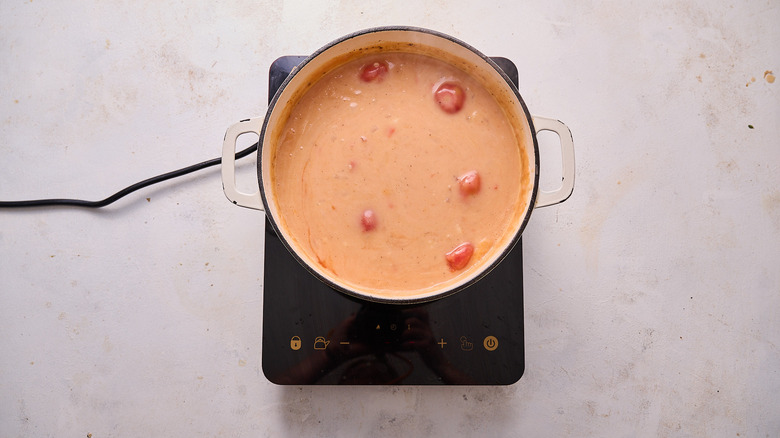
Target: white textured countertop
point(651, 295)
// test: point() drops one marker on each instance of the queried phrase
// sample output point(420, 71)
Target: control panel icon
point(490, 343)
point(465, 344)
point(295, 343)
point(320, 343)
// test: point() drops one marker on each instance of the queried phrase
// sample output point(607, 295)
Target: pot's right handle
point(249, 200)
point(543, 198)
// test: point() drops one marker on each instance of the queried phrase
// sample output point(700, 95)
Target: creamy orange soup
point(397, 172)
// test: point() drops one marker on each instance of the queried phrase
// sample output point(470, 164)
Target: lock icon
point(295, 343)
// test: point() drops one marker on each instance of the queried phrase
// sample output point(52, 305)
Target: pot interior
point(406, 40)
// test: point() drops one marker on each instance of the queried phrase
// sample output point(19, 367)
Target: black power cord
point(126, 191)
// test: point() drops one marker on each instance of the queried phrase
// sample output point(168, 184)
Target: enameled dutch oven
point(415, 40)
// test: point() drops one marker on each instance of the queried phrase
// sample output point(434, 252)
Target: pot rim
point(449, 290)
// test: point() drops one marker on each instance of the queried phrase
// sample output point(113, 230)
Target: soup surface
point(397, 173)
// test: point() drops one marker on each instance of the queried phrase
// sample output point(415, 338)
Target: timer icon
point(490, 343)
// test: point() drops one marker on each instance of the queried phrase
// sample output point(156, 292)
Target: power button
point(490, 343)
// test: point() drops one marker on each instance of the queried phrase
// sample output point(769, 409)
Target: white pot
point(415, 40)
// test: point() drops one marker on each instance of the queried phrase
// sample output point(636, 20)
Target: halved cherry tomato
point(450, 97)
point(368, 220)
point(375, 71)
point(469, 183)
point(459, 257)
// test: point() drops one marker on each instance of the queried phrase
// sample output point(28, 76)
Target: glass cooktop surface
point(314, 335)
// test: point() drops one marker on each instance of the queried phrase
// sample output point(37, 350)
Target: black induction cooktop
point(314, 335)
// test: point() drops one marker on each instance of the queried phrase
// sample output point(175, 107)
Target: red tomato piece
point(459, 257)
point(469, 183)
point(368, 220)
point(450, 97)
point(375, 71)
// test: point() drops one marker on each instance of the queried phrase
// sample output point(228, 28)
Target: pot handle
point(543, 198)
point(249, 200)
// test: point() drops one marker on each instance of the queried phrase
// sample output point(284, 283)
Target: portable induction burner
point(314, 335)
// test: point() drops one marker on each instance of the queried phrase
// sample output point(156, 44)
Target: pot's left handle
point(544, 198)
point(249, 200)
